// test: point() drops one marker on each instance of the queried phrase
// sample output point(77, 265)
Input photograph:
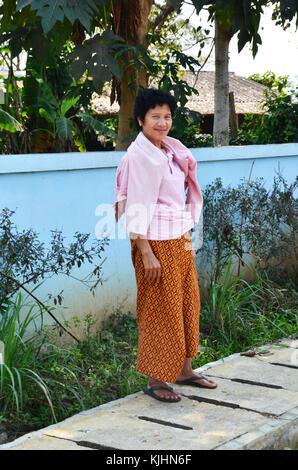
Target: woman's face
point(157, 123)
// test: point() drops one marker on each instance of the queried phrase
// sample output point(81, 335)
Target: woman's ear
point(140, 122)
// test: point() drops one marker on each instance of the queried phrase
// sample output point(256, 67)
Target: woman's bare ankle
point(163, 393)
point(152, 382)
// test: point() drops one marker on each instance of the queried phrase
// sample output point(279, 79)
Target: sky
point(277, 53)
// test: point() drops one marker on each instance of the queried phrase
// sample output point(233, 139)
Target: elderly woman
point(151, 181)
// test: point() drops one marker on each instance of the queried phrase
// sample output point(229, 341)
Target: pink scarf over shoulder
point(138, 180)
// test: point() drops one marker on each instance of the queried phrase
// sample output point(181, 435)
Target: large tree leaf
point(67, 103)
point(97, 56)
point(23, 3)
point(48, 114)
point(6, 11)
point(52, 11)
point(64, 128)
point(45, 88)
point(9, 123)
point(96, 125)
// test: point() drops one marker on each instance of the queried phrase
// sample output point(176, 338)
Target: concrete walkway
point(255, 406)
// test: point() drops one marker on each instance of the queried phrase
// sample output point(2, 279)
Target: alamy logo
point(137, 218)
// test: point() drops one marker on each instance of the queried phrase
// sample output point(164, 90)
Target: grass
point(42, 382)
point(17, 366)
point(239, 314)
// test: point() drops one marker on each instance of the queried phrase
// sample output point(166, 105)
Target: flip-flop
point(191, 381)
point(149, 391)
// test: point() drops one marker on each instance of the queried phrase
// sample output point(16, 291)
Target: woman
point(151, 181)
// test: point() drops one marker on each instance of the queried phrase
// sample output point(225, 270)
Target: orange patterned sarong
point(168, 310)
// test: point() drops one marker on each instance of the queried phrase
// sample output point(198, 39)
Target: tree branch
point(171, 5)
point(39, 301)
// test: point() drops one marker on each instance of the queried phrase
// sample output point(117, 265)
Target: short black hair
point(148, 99)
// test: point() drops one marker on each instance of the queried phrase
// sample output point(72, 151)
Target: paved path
point(255, 406)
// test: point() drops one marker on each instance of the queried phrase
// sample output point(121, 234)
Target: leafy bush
point(238, 313)
point(198, 140)
point(248, 220)
point(25, 258)
point(271, 80)
point(278, 124)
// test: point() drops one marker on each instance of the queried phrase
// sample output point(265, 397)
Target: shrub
point(248, 220)
point(26, 259)
point(277, 125)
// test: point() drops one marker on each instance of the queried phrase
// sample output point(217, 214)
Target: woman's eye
point(158, 117)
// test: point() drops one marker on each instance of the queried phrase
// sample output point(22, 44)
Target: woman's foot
point(187, 373)
point(201, 381)
point(163, 393)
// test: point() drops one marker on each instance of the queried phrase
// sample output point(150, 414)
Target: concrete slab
point(275, 435)
point(147, 424)
point(257, 370)
point(283, 355)
point(255, 406)
point(43, 442)
point(251, 397)
point(292, 343)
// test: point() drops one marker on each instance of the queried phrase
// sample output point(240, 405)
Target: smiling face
point(157, 123)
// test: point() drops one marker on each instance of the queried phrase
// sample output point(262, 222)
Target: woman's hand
point(194, 255)
point(151, 263)
point(152, 267)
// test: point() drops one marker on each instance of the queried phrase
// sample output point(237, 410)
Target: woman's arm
point(151, 263)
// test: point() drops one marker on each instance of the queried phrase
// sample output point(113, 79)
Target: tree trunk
point(221, 86)
point(233, 118)
point(131, 23)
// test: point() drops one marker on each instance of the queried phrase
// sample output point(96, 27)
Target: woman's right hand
point(152, 267)
point(151, 263)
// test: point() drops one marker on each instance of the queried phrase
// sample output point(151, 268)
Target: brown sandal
point(192, 381)
point(149, 391)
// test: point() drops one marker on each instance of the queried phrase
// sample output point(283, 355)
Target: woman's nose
point(162, 122)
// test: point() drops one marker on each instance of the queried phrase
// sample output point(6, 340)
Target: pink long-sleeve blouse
point(170, 220)
point(146, 176)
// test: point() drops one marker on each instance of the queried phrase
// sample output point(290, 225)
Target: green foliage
point(239, 314)
point(278, 124)
point(172, 81)
point(168, 70)
point(57, 72)
point(18, 376)
point(236, 17)
point(104, 56)
point(269, 79)
point(284, 12)
point(54, 105)
point(26, 259)
point(248, 220)
point(193, 139)
point(44, 30)
point(9, 123)
point(51, 12)
point(98, 56)
point(244, 17)
point(54, 112)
